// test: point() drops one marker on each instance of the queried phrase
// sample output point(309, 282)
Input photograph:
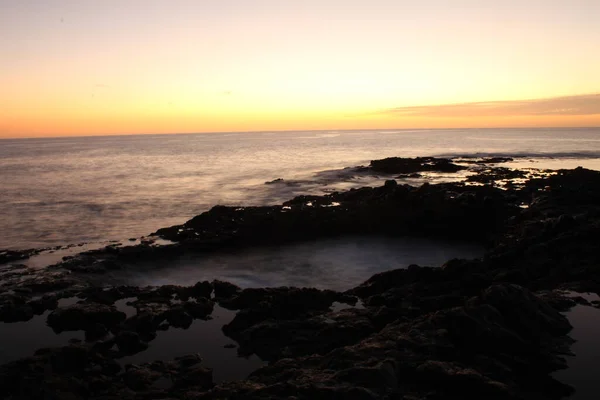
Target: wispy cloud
point(569, 105)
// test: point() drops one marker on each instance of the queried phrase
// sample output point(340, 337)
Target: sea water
point(83, 189)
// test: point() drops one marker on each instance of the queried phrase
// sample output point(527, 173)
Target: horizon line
point(294, 130)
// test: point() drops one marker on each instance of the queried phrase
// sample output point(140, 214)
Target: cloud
point(569, 105)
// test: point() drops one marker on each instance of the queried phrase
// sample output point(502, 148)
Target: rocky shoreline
point(483, 328)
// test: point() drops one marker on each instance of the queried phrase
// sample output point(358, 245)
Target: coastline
point(482, 327)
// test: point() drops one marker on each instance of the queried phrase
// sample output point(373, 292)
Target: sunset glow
point(113, 67)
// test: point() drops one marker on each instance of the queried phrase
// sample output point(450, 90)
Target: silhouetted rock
point(398, 165)
point(278, 180)
point(200, 309)
point(224, 290)
point(178, 317)
point(201, 289)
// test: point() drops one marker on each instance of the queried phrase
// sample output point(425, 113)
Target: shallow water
point(22, 339)
point(206, 339)
point(582, 372)
point(73, 190)
point(337, 264)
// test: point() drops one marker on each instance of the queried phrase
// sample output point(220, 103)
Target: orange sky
point(86, 68)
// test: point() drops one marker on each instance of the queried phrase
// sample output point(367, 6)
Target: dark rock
point(178, 317)
point(278, 180)
point(390, 183)
point(524, 312)
point(95, 332)
point(397, 165)
point(272, 339)
point(201, 289)
point(283, 302)
point(83, 316)
point(49, 282)
point(39, 306)
point(195, 376)
point(200, 309)
point(7, 256)
point(140, 378)
point(224, 290)
point(130, 342)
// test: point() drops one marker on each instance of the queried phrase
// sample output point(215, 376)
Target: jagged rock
point(201, 289)
point(200, 309)
point(276, 338)
point(130, 342)
point(178, 317)
point(224, 290)
point(139, 378)
point(82, 316)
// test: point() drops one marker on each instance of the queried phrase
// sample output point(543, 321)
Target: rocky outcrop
point(500, 344)
point(399, 165)
point(483, 348)
point(486, 328)
point(78, 372)
point(83, 316)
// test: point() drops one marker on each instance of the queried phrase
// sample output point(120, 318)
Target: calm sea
point(85, 189)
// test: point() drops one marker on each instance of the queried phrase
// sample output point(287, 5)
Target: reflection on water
point(22, 339)
point(332, 264)
point(337, 264)
point(206, 339)
point(582, 371)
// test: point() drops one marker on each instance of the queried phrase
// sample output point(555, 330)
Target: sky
point(88, 67)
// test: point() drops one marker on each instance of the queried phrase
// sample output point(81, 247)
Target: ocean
point(62, 191)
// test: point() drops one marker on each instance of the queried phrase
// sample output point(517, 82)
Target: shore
point(490, 327)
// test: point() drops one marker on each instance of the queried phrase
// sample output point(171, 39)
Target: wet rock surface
point(7, 256)
point(483, 328)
